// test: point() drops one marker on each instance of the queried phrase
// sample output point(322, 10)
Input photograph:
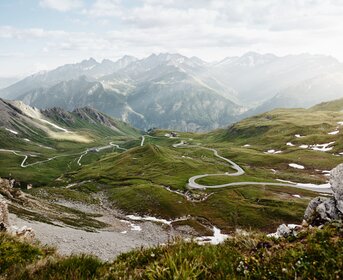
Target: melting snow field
point(319, 147)
point(217, 237)
point(132, 226)
point(322, 147)
point(148, 218)
point(314, 186)
point(297, 166)
point(306, 185)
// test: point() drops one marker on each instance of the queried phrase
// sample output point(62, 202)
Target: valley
point(127, 184)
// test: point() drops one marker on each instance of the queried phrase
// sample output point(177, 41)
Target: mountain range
point(176, 92)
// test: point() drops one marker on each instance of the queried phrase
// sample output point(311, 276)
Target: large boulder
point(321, 210)
point(336, 182)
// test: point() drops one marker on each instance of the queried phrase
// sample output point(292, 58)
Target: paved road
point(239, 171)
point(81, 154)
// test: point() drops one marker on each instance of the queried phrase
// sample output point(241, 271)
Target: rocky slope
point(26, 122)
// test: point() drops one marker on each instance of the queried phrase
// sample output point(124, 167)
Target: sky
point(43, 34)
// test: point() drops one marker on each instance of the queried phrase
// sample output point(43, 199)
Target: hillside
point(335, 105)
point(253, 175)
point(31, 138)
point(314, 254)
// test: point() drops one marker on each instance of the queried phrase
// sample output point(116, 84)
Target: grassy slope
point(135, 180)
point(336, 105)
point(44, 147)
point(313, 254)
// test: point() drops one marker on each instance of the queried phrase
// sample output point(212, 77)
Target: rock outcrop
point(322, 209)
point(4, 223)
point(8, 193)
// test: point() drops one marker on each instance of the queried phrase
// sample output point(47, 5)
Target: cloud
point(104, 8)
point(10, 32)
point(210, 29)
point(61, 5)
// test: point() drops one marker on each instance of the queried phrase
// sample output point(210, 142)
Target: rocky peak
point(93, 116)
point(58, 114)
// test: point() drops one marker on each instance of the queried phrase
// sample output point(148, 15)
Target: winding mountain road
point(81, 154)
point(192, 184)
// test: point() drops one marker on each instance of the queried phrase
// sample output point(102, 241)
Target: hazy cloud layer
point(210, 29)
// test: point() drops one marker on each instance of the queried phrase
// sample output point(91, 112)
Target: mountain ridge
point(138, 91)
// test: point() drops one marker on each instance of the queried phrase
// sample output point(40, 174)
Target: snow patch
point(333, 132)
point(132, 226)
point(297, 166)
point(303, 146)
point(298, 136)
point(217, 237)
point(306, 185)
point(12, 131)
point(290, 144)
point(296, 195)
point(322, 147)
point(149, 218)
point(319, 147)
point(314, 186)
point(54, 125)
point(273, 152)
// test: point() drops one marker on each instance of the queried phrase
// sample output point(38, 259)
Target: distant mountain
point(6, 82)
point(177, 92)
point(305, 94)
point(90, 68)
point(258, 78)
point(81, 92)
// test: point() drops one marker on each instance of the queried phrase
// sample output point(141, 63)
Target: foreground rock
point(7, 191)
point(322, 210)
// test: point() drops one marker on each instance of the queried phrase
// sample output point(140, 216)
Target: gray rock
point(336, 182)
point(321, 210)
point(283, 231)
point(4, 222)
